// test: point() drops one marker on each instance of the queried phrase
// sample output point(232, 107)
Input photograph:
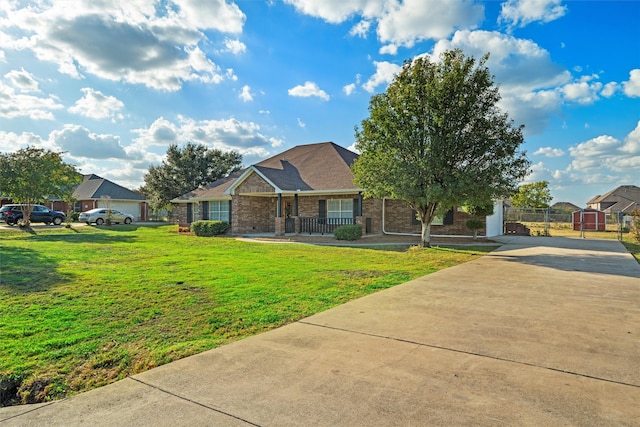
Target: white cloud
point(549, 152)
point(338, 11)
point(411, 21)
point(360, 29)
point(519, 13)
point(607, 154)
point(632, 86)
point(22, 80)
point(155, 44)
point(15, 105)
point(301, 123)
point(307, 90)
point(96, 105)
point(235, 46)
point(399, 23)
point(385, 73)
point(582, 92)
point(78, 141)
point(349, 89)
point(610, 89)
point(390, 49)
point(245, 95)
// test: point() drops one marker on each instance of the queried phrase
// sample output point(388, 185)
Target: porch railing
point(322, 225)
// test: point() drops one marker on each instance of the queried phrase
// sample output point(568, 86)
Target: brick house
point(624, 199)
point(307, 189)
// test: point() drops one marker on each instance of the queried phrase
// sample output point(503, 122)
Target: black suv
point(11, 214)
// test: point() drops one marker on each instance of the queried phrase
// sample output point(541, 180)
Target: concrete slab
point(541, 332)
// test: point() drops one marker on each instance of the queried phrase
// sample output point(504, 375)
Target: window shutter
point(414, 217)
point(230, 204)
point(189, 212)
point(357, 209)
point(205, 210)
point(448, 217)
point(322, 209)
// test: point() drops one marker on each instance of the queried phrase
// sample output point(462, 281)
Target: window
point(219, 210)
point(195, 213)
point(340, 208)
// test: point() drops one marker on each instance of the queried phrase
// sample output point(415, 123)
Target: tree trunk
point(425, 239)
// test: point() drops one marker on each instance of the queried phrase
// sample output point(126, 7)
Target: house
point(623, 199)
point(98, 192)
point(564, 207)
point(95, 191)
point(307, 189)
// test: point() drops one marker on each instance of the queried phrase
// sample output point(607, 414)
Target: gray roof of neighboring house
point(565, 206)
point(214, 190)
point(94, 187)
point(625, 198)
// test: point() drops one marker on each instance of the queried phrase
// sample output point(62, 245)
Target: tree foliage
point(31, 175)
point(186, 169)
point(534, 195)
point(436, 139)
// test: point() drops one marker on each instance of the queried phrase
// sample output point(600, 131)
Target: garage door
point(132, 208)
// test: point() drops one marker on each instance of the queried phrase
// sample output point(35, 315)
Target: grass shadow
point(25, 271)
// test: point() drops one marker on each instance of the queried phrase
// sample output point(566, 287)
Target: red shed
point(589, 220)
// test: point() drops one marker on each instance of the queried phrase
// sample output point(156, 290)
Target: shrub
point(209, 228)
point(348, 232)
point(474, 225)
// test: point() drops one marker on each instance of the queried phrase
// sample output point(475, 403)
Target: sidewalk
point(543, 331)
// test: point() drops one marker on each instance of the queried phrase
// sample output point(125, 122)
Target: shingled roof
point(94, 187)
point(214, 190)
point(322, 166)
point(625, 198)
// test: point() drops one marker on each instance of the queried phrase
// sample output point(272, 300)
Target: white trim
point(232, 188)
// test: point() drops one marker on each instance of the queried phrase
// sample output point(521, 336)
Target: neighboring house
point(624, 199)
point(307, 189)
point(97, 192)
point(564, 207)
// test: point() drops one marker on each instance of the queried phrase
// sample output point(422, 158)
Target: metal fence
point(322, 225)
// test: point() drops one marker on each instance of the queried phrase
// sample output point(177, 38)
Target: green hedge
point(348, 232)
point(209, 228)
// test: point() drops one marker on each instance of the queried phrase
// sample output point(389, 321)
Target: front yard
point(83, 307)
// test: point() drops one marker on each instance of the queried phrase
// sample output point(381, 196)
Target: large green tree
point(533, 195)
point(31, 175)
point(437, 139)
point(186, 169)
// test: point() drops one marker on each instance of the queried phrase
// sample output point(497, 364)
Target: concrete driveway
point(543, 331)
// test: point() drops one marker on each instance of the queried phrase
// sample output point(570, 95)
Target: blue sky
point(113, 82)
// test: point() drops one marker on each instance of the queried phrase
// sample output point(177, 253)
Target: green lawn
point(83, 307)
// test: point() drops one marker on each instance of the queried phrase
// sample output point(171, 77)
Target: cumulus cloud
point(549, 152)
point(349, 89)
point(398, 23)
point(22, 80)
point(80, 142)
point(385, 72)
point(97, 105)
point(245, 95)
point(235, 46)
point(156, 44)
point(606, 153)
point(583, 92)
point(309, 89)
point(519, 13)
point(610, 89)
point(632, 86)
point(16, 105)
point(411, 21)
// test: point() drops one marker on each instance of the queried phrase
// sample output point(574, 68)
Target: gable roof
point(94, 187)
point(316, 167)
point(566, 206)
point(214, 190)
point(625, 198)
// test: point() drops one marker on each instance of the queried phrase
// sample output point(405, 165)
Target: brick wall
point(254, 184)
point(251, 214)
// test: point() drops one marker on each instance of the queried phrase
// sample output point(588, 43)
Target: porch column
point(279, 206)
